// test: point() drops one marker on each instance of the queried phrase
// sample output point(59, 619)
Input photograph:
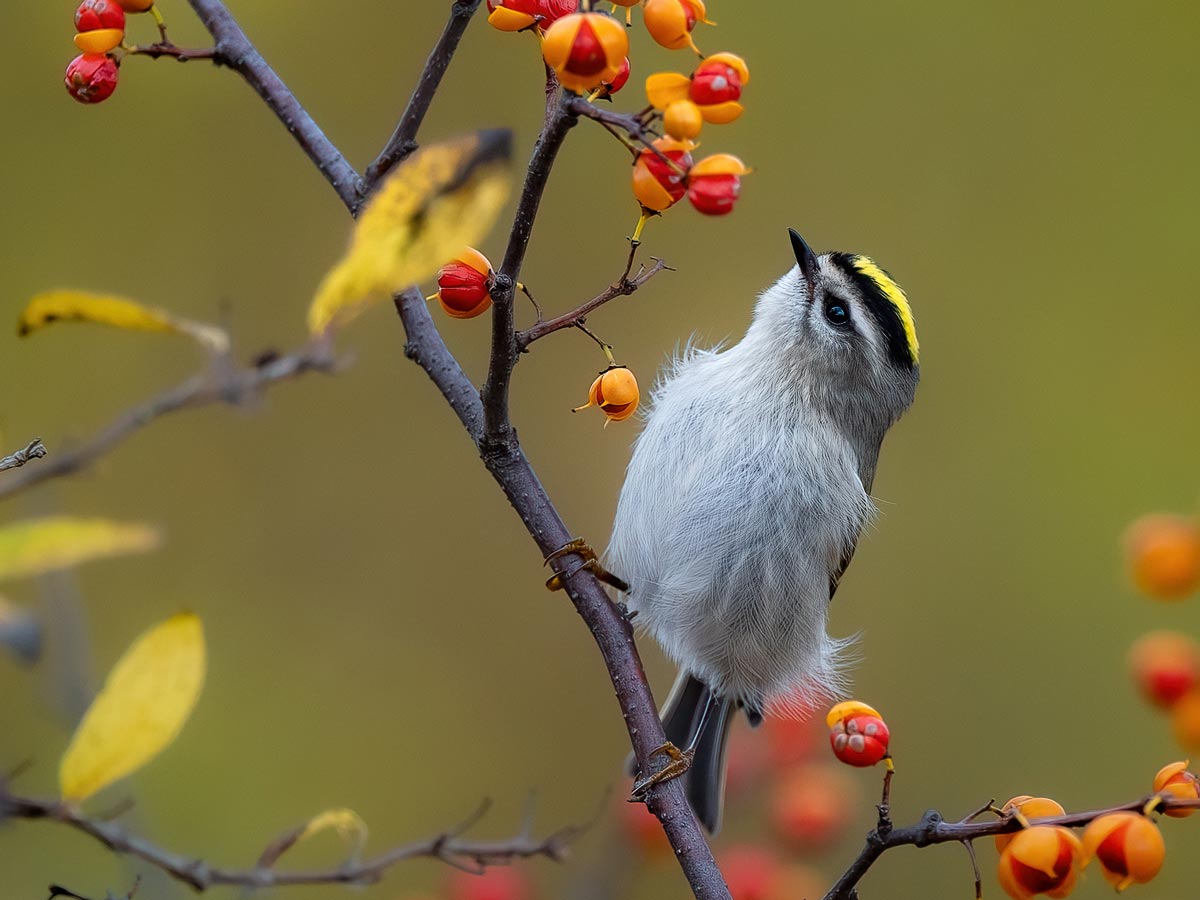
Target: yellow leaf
point(42, 545)
point(349, 826)
point(142, 707)
point(439, 200)
point(105, 309)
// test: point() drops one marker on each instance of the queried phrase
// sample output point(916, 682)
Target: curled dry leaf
point(143, 705)
point(348, 824)
point(442, 198)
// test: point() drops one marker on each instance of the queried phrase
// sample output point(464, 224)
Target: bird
point(744, 498)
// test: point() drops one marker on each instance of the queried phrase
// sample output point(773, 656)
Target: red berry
point(750, 872)
point(618, 80)
point(496, 883)
point(715, 82)
point(714, 195)
point(860, 740)
point(91, 77)
point(93, 15)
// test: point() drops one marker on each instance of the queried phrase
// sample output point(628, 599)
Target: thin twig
point(559, 120)
point(622, 287)
point(223, 383)
point(173, 51)
point(35, 449)
point(448, 847)
point(404, 140)
point(933, 829)
point(610, 629)
point(233, 49)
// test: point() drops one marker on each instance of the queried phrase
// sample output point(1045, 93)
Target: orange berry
point(1043, 859)
point(1185, 721)
point(616, 392)
point(1165, 665)
point(656, 183)
point(585, 50)
point(670, 22)
point(1163, 555)
point(1030, 808)
point(682, 120)
point(1176, 781)
point(1128, 846)
point(463, 285)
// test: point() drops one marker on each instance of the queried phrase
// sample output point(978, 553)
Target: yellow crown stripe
point(896, 296)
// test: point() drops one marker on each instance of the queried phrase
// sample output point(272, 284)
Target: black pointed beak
point(804, 256)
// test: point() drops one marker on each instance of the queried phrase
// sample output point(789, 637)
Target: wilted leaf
point(42, 545)
point(20, 632)
point(442, 198)
point(349, 826)
point(119, 312)
point(143, 705)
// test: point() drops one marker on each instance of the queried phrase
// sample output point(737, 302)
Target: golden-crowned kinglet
point(746, 493)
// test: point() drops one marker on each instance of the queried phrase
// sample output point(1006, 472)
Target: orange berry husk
point(670, 22)
point(848, 708)
point(99, 41)
point(585, 50)
point(502, 18)
point(1043, 859)
point(657, 185)
point(1030, 808)
point(616, 392)
point(1175, 780)
point(1163, 555)
point(683, 120)
point(665, 88)
point(1128, 846)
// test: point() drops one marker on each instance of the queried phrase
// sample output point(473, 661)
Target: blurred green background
point(379, 635)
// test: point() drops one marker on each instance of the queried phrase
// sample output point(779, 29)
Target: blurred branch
point(933, 829)
point(622, 287)
point(606, 620)
point(233, 49)
point(224, 383)
point(35, 449)
point(449, 847)
point(559, 120)
point(404, 140)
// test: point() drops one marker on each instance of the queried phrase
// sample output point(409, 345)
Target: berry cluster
point(1163, 559)
point(100, 29)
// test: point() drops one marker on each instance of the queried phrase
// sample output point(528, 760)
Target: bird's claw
point(679, 762)
point(582, 548)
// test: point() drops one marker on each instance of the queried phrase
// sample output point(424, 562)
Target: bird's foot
point(679, 761)
point(580, 547)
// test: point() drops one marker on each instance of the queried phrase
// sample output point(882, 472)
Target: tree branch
point(932, 829)
point(622, 287)
point(605, 619)
point(233, 49)
point(448, 847)
point(404, 140)
point(35, 449)
point(497, 428)
point(223, 383)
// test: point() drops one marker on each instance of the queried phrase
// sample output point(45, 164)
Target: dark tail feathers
point(683, 714)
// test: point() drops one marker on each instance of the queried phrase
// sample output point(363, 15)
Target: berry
point(657, 184)
point(1165, 665)
point(1163, 556)
point(1128, 846)
point(1176, 781)
point(585, 50)
point(91, 78)
point(463, 285)
point(615, 392)
point(1043, 859)
point(93, 15)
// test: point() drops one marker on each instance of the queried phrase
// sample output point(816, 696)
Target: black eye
point(837, 312)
